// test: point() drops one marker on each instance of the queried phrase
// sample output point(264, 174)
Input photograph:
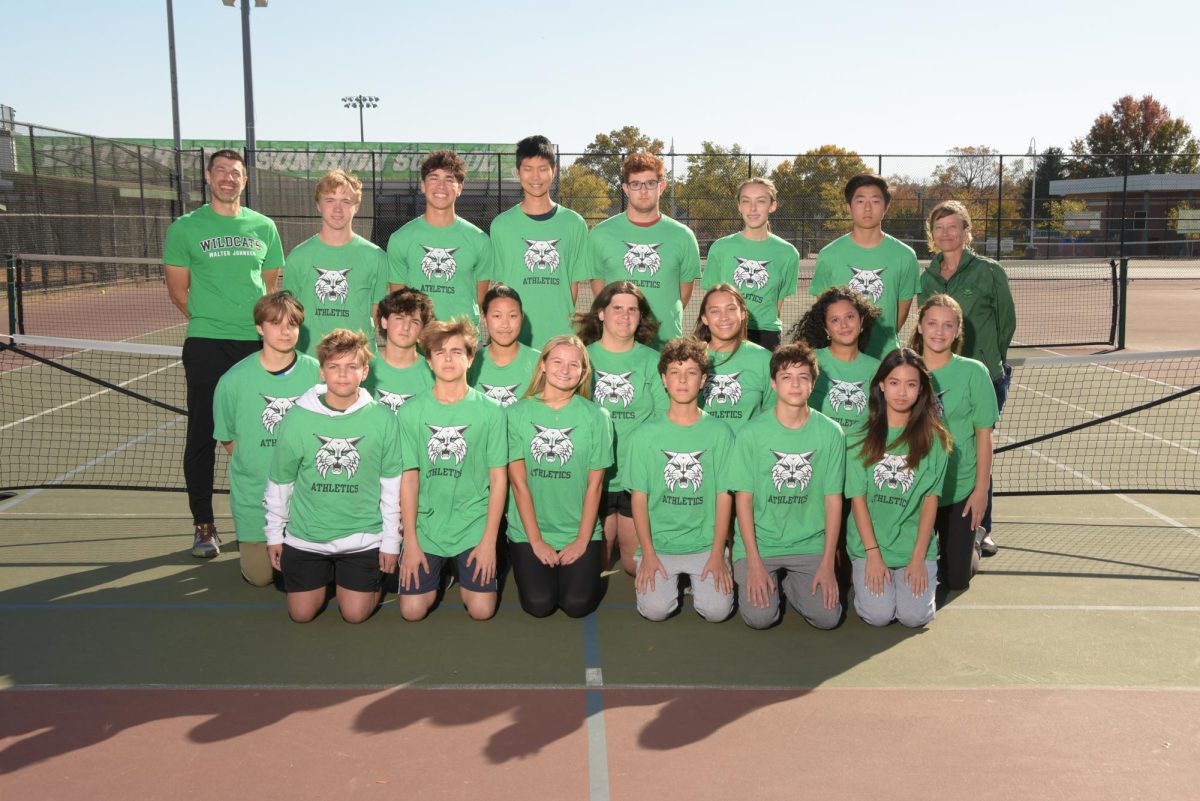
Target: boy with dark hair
point(788, 468)
point(333, 491)
point(440, 253)
point(398, 372)
point(252, 399)
point(218, 261)
point(877, 265)
point(336, 274)
point(455, 482)
point(677, 475)
point(539, 248)
point(646, 247)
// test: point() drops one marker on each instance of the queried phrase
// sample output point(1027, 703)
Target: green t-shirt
point(790, 471)
point(336, 463)
point(453, 446)
point(248, 406)
point(658, 258)
point(894, 496)
point(506, 385)
point(886, 274)
point(680, 469)
point(337, 285)
point(843, 388)
point(560, 447)
point(225, 258)
point(739, 386)
point(540, 259)
point(765, 272)
point(395, 386)
point(628, 386)
point(445, 263)
point(968, 402)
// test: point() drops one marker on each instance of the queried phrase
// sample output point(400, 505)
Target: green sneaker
point(206, 543)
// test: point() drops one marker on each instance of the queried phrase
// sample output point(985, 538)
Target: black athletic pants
point(204, 362)
point(574, 588)
point(956, 556)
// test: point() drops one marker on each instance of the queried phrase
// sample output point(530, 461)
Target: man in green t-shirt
point(440, 253)
point(877, 265)
point(398, 371)
point(336, 274)
point(539, 248)
point(646, 247)
point(218, 261)
point(677, 477)
point(252, 399)
point(333, 490)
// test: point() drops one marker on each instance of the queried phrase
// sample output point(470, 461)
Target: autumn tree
point(1145, 129)
point(811, 186)
point(582, 190)
point(1052, 165)
point(706, 199)
point(605, 154)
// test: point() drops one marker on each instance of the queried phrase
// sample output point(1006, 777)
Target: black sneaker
point(206, 543)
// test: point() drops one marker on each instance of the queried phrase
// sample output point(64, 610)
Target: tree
point(706, 199)
point(1051, 166)
point(607, 152)
point(1060, 210)
point(585, 192)
point(1188, 223)
point(812, 185)
point(1145, 129)
point(971, 173)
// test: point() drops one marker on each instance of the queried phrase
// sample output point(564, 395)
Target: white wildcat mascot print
point(439, 263)
point(332, 285)
point(683, 470)
point(541, 255)
point(939, 407)
point(751, 272)
point(791, 470)
point(275, 409)
point(552, 444)
point(892, 472)
point(723, 389)
point(337, 455)
point(847, 396)
point(642, 258)
point(505, 396)
point(447, 443)
point(613, 388)
point(867, 282)
point(393, 400)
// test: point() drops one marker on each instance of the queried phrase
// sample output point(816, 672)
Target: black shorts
point(304, 571)
point(767, 339)
point(429, 582)
point(620, 503)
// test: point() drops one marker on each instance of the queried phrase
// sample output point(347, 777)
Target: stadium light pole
point(179, 190)
point(1032, 151)
point(360, 102)
point(248, 80)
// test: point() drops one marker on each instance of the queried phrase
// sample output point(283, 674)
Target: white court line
point(62, 406)
point(1064, 608)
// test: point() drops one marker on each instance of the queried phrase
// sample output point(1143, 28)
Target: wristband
point(873, 548)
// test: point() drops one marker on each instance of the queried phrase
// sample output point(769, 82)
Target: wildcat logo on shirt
point(642, 258)
point(723, 389)
point(447, 443)
point(791, 470)
point(683, 470)
point(551, 444)
point(892, 472)
point(867, 282)
point(541, 255)
point(337, 455)
point(275, 410)
point(847, 396)
point(332, 285)
point(939, 407)
point(393, 400)
point(503, 395)
point(751, 272)
point(439, 263)
point(613, 388)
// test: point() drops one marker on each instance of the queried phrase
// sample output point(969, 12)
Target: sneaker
point(987, 546)
point(206, 543)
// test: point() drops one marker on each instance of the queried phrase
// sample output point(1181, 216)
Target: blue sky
point(774, 77)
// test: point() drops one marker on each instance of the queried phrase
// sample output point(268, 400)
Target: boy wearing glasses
point(646, 247)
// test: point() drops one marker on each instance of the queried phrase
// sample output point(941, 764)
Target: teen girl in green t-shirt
point(739, 386)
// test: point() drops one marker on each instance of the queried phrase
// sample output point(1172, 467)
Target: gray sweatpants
point(796, 583)
point(662, 601)
point(897, 601)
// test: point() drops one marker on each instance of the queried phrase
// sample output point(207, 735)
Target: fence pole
point(1124, 198)
point(999, 207)
point(1122, 297)
point(142, 195)
point(10, 286)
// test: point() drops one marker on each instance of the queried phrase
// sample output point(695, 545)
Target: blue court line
point(598, 789)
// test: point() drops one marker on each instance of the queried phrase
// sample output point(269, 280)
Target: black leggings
point(956, 554)
point(574, 588)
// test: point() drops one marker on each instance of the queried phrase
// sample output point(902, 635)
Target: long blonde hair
point(538, 385)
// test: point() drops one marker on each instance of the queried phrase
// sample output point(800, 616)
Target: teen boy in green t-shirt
point(676, 473)
point(788, 469)
point(440, 253)
point(218, 261)
point(399, 372)
point(877, 265)
point(455, 479)
point(337, 275)
point(539, 248)
point(332, 495)
point(252, 399)
point(644, 246)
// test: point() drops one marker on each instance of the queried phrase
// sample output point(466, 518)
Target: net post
point(10, 287)
point(1121, 297)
